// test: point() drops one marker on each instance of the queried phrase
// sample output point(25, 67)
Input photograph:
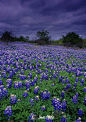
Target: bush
point(72, 39)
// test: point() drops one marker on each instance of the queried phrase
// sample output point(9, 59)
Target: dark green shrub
point(73, 39)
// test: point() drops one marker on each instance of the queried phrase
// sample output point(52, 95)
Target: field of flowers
point(37, 81)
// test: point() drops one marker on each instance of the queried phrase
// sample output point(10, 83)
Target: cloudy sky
point(58, 17)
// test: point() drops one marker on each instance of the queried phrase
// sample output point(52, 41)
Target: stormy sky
point(58, 17)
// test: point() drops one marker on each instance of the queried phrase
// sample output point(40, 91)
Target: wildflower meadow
point(42, 83)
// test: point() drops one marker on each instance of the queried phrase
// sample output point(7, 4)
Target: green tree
point(27, 38)
point(73, 39)
point(43, 36)
point(6, 37)
point(21, 38)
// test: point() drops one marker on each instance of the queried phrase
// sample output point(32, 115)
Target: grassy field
point(44, 80)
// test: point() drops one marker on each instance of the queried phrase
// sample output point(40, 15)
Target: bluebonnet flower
point(11, 74)
point(77, 79)
point(32, 83)
point(8, 111)
point(73, 76)
point(57, 104)
point(22, 72)
point(13, 99)
point(68, 86)
point(60, 78)
point(16, 85)
point(1, 95)
point(27, 84)
point(77, 94)
point(62, 94)
point(49, 118)
point(64, 105)
point(75, 84)
point(84, 74)
point(22, 77)
point(44, 95)
point(41, 93)
point(85, 100)
point(63, 81)
point(36, 89)
point(20, 84)
point(4, 75)
point(82, 80)
point(30, 74)
point(84, 89)
point(25, 94)
point(31, 117)
point(54, 75)
point(43, 107)
point(80, 112)
point(32, 101)
point(73, 89)
point(5, 92)
point(50, 77)
point(78, 120)
point(53, 101)
point(67, 80)
point(37, 98)
point(1, 82)
point(1, 87)
point(63, 119)
point(74, 99)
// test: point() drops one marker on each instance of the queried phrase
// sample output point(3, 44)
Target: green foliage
point(44, 39)
point(6, 36)
point(73, 38)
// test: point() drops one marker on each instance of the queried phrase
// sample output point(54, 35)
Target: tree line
point(70, 39)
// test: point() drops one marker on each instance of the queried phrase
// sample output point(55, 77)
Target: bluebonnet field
point(42, 81)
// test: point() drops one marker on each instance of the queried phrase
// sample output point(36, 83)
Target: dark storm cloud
point(26, 17)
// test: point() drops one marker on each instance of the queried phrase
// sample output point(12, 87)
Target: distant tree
point(73, 39)
point(6, 37)
point(21, 38)
point(27, 38)
point(43, 36)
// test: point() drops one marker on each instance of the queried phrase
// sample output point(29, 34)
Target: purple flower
point(16, 85)
point(27, 83)
point(43, 107)
point(5, 91)
point(80, 112)
point(1, 82)
point(82, 80)
point(13, 99)
point(49, 118)
point(25, 94)
point(20, 84)
point(67, 80)
point(78, 120)
point(63, 119)
point(62, 94)
point(37, 98)
point(74, 99)
point(64, 105)
point(22, 77)
point(63, 81)
point(77, 79)
point(31, 117)
point(32, 101)
point(36, 89)
point(84, 89)
point(8, 111)
point(75, 84)
point(85, 100)
point(77, 94)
